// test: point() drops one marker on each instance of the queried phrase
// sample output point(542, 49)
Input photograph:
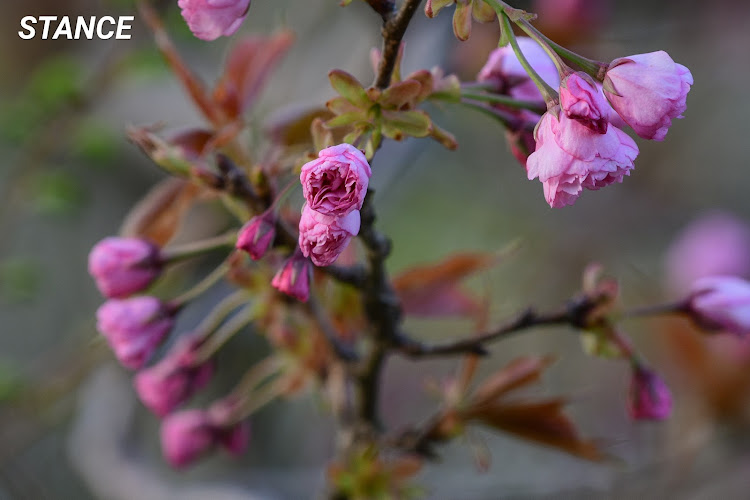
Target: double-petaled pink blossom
point(648, 91)
point(336, 182)
point(322, 238)
point(570, 157)
point(649, 397)
point(581, 100)
point(210, 19)
point(134, 327)
point(124, 266)
point(174, 379)
point(721, 303)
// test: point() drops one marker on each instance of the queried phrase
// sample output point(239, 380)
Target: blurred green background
point(69, 425)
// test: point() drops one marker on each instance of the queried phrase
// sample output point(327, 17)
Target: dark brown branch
point(343, 351)
point(385, 8)
point(394, 28)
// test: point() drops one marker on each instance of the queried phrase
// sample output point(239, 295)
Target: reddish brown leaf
point(158, 215)
point(248, 66)
point(433, 290)
point(520, 372)
point(542, 422)
point(191, 143)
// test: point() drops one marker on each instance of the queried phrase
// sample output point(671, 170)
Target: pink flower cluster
point(334, 185)
point(578, 143)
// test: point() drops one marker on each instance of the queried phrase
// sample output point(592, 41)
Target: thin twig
point(394, 28)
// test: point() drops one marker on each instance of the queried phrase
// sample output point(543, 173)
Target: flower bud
point(322, 238)
point(134, 327)
point(580, 100)
point(649, 397)
point(257, 235)
point(721, 303)
point(294, 277)
point(210, 19)
point(124, 266)
point(648, 91)
point(173, 380)
point(336, 182)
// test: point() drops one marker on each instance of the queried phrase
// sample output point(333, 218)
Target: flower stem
point(504, 100)
point(201, 286)
point(507, 119)
point(189, 250)
point(225, 332)
point(218, 314)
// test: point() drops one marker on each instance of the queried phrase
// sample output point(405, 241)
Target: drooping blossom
point(173, 380)
point(210, 19)
point(570, 157)
point(257, 235)
point(124, 266)
point(581, 100)
point(134, 327)
point(336, 182)
point(294, 277)
point(648, 91)
point(322, 238)
point(649, 397)
point(721, 303)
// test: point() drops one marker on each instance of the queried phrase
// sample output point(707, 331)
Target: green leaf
point(399, 94)
point(414, 123)
point(346, 119)
point(349, 87)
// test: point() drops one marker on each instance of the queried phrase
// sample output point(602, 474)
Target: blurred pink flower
point(336, 182)
point(294, 277)
point(716, 244)
point(722, 303)
point(581, 100)
point(210, 19)
point(648, 91)
point(124, 266)
point(504, 71)
point(649, 397)
point(323, 238)
point(134, 327)
point(174, 379)
point(257, 235)
point(570, 157)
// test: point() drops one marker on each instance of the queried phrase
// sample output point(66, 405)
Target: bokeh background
point(70, 427)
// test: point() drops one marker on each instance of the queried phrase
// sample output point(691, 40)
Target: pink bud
point(505, 72)
point(257, 235)
point(336, 183)
point(648, 91)
point(210, 19)
point(294, 277)
point(570, 157)
point(124, 266)
point(174, 379)
point(323, 238)
point(722, 303)
point(134, 327)
point(649, 397)
point(231, 435)
point(580, 99)
point(186, 436)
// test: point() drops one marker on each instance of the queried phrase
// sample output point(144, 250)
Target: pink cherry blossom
point(134, 327)
point(648, 91)
point(294, 277)
point(257, 235)
point(504, 71)
point(210, 19)
point(649, 397)
point(336, 182)
point(581, 100)
point(323, 238)
point(570, 157)
point(186, 436)
point(722, 303)
point(124, 266)
point(174, 379)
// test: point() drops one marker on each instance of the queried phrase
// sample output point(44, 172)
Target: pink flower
point(649, 397)
point(581, 100)
point(134, 327)
point(648, 91)
point(323, 238)
point(257, 235)
point(210, 19)
point(722, 303)
point(294, 277)
point(336, 183)
point(716, 244)
point(508, 76)
point(124, 266)
point(570, 157)
point(174, 379)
